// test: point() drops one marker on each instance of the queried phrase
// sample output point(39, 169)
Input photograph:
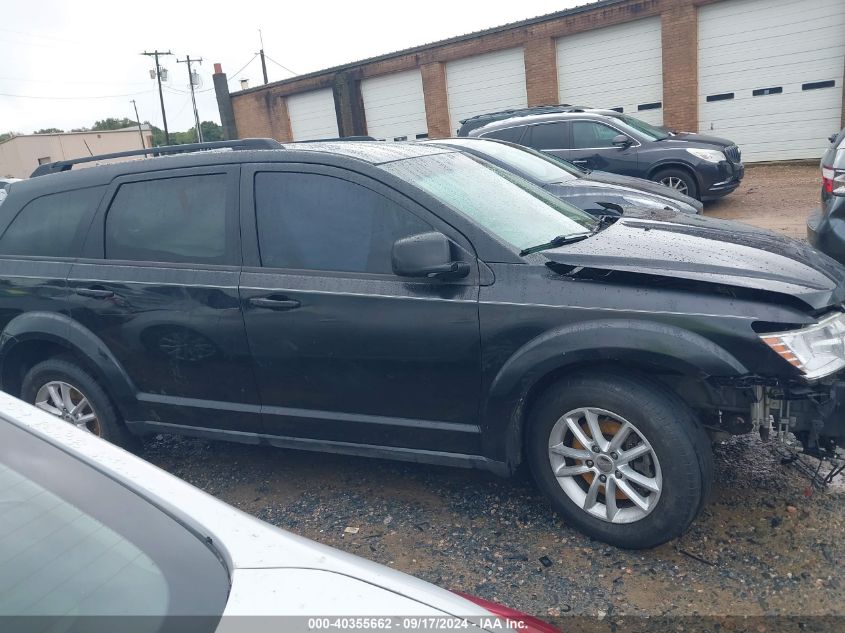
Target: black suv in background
point(408, 301)
point(702, 167)
point(826, 226)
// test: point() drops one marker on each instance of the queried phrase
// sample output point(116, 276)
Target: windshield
point(512, 208)
point(532, 164)
point(653, 133)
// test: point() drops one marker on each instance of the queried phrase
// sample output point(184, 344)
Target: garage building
point(767, 74)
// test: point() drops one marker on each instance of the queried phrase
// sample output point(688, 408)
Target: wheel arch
point(670, 163)
point(647, 348)
point(35, 336)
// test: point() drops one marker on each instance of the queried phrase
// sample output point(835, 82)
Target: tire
point(106, 422)
point(675, 461)
point(679, 179)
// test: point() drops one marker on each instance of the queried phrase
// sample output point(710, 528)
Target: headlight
point(817, 350)
point(710, 155)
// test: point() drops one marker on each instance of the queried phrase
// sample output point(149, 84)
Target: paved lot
point(762, 547)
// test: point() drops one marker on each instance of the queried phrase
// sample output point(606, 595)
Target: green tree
point(211, 131)
point(113, 124)
point(49, 130)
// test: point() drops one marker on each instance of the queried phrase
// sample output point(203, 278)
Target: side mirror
point(620, 140)
point(426, 255)
point(832, 137)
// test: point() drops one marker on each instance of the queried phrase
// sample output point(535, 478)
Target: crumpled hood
point(587, 194)
point(641, 185)
point(679, 246)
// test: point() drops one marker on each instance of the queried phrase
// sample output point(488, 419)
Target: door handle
point(94, 293)
point(274, 303)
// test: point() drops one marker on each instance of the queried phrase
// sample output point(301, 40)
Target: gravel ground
point(764, 546)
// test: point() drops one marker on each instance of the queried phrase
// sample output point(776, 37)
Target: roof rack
point(478, 120)
point(239, 144)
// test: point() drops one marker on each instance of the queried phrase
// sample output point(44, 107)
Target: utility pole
point(138, 119)
point(263, 62)
point(155, 55)
point(189, 61)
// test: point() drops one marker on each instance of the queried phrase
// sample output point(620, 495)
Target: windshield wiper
point(560, 240)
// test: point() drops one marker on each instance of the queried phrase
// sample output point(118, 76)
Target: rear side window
point(549, 136)
point(50, 225)
point(317, 222)
point(180, 220)
point(512, 134)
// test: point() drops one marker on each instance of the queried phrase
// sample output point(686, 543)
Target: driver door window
point(593, 148)
point(589, 135)
point(319, 222)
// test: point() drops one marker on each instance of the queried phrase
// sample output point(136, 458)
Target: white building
point(20, 155)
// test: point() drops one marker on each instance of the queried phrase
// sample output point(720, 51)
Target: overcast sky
point(67, 64)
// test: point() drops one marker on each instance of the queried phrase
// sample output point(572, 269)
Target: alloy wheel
point(67, 402)
point(605, 465)
point(675, 183)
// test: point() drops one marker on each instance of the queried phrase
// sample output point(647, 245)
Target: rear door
point(158, 284)
point(38, 242)
point(345, 351)
point(592, 148)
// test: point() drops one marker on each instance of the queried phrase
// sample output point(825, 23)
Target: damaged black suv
point(408, 301)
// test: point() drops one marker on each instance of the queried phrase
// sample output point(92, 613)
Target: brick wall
point(255, 113)
point(541, 71)
point(679, 29)
point(436, 99)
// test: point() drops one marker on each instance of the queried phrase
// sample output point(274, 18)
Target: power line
point(234, 75)
point(280, 65)
point(128, 94)
point(58, 81)
point(251, 59)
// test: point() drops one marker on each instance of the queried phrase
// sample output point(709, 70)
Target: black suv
point(702, 167)
point(408, 301)
point(826, 226)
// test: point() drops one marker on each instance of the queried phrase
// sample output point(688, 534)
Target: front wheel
point(621, 458)
point(679, 180)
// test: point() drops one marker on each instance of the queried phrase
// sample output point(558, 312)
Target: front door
point(592, 148)
point(159, 286)
point(345, 351)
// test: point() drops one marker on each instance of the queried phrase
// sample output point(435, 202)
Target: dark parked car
point(586, 190)
point(703, 167)
point(826, 226)
point(407, 301)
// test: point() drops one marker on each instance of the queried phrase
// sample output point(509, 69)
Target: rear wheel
point(621, 458)
point(63, 389)
point(679, 180)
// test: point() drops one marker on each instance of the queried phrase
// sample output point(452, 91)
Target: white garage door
point(770, 75)
point(619, 67)
point(395, 106)
point(312, 115)
point(485, 83)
